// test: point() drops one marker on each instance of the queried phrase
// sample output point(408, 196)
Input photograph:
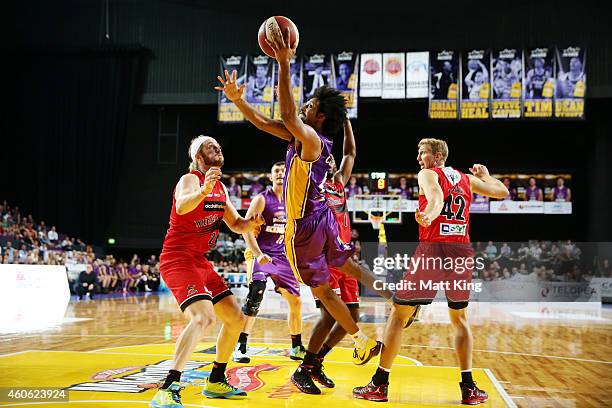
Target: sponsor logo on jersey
point(214, 205)
point(208, 220)
point(452, 229)
point(452, 175)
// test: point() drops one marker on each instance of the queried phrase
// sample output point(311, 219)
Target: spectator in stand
point(152, 260)
point(234, 189)
point(9, 252)
point(560, 192)
point(86, 284)
point(505, 251)
point(52, 236)
point(256, 188)
point(22, 255)
point(403, 190)
point(491, 251)
point(533, 192)
point(352, 189)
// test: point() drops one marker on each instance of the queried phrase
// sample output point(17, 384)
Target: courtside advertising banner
point(346, 73)
point(228, 112)
point(538, 83)
point(475, 84)
point(394, 79)
point(443, 84)
point(259, 83)
point(507, 83)
point(295, 71)
point(571, 82)
point(317, 72)
point(417, 74)
point(370, 85)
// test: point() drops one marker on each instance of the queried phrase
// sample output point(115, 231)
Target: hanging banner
point(507, 83)
point(417, 74)
point(228, 112)
point(476, 84)
point(295, 70)
point(539, 83)
point(346, 70)
point(393, 78)
point(317, 72)
point(443, 84)
point(259, 85)
point(370, 84)
point(571, 82)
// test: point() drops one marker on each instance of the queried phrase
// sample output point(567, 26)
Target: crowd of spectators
point(562, 261)
point(25, 241)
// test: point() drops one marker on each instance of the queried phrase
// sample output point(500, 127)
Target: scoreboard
point(379, 182)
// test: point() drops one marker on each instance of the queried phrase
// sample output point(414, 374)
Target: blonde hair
point(437, 146)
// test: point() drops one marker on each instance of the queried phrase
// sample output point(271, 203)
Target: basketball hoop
point(376, 220)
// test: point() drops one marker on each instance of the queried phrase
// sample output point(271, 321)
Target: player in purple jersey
point(403, 190)
point(513, 195)
point(265, 256)
point(311, 235)
point(560, 192)
point(533, 192)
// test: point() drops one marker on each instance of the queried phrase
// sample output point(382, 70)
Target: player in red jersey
point(443, 217)
point(199, 205)
point(327, 332)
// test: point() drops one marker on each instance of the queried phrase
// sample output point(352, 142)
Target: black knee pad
point(414, 316)
point(254, 298)
point(457, 305)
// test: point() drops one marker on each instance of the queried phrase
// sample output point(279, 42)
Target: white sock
point(360, 339)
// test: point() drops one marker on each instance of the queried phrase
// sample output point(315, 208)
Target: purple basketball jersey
point(560, 194)
point(271, 237)
point(532, 194)
point(303, 185)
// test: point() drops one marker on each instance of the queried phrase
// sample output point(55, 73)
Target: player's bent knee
point(410, 318)
point(203, 320)
point(254, 298)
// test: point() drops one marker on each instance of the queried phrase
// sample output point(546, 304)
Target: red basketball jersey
point(336, 200)
point(453, 224)
point(197, 231)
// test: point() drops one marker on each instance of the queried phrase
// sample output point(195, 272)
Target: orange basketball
point(273, 28)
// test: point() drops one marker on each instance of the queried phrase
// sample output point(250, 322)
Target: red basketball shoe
point(372, 392)
point(472, 395)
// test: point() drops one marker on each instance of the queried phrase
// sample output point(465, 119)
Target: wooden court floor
point(543, 355)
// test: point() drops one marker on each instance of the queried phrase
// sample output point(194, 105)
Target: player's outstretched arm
point(428, 183)
point(261, 122)
point(349, 153)
point(188, 194)
point(237, 223)
point(481, 182)
point(306, 135)
point(257, 206)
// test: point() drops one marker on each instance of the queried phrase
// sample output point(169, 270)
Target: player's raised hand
point(264, 259)
point(422, 219)
point(281, 48)
point(479, 170)
point(210, 178)
point(230, 86)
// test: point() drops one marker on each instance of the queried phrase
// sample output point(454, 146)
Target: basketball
point(273, 28)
